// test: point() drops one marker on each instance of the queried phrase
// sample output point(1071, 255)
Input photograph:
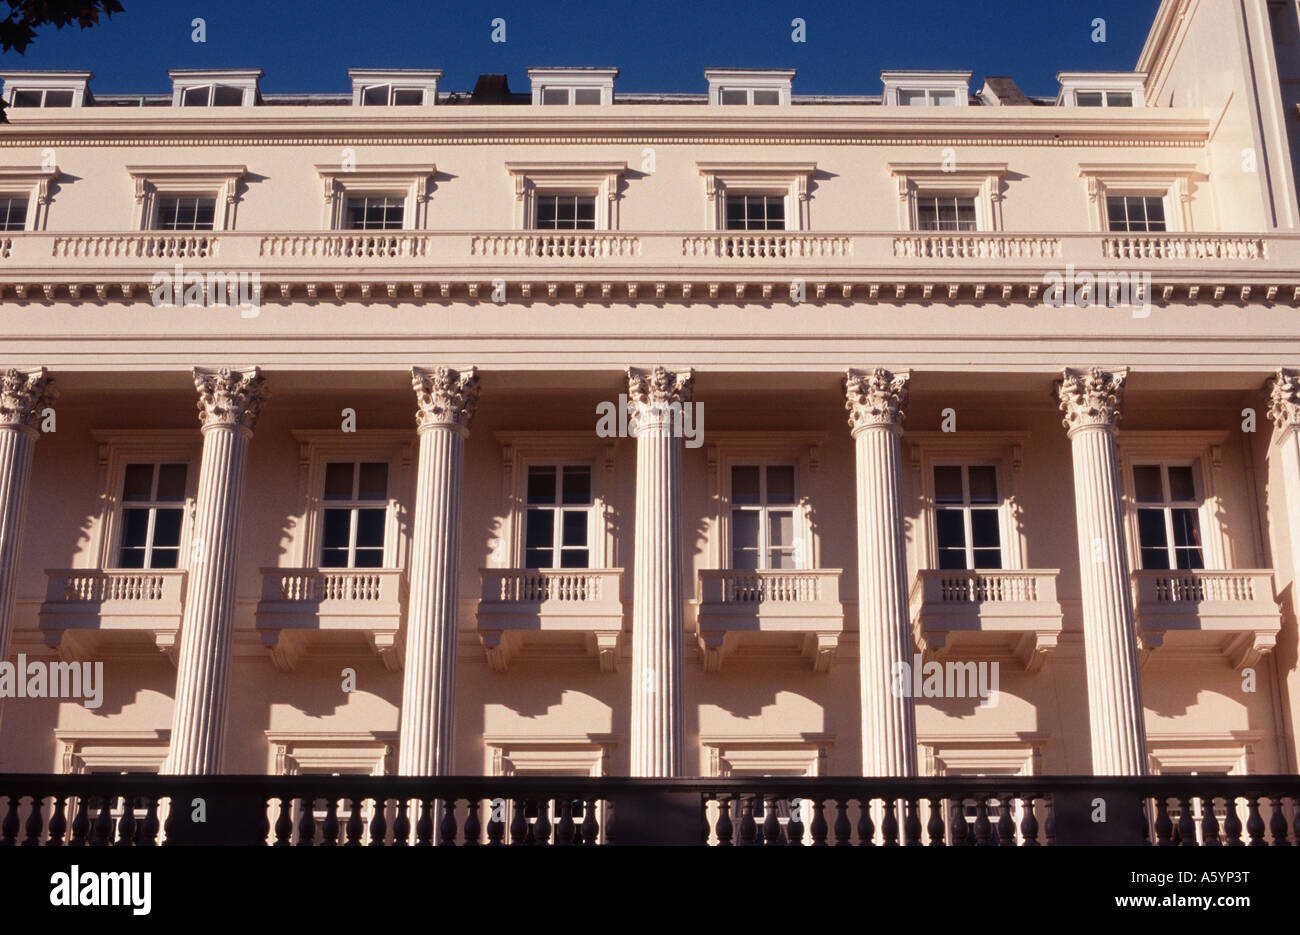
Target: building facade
point(922, 433)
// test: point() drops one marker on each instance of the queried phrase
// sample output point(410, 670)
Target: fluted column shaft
point(877, 401)
point(447, 399)
point(1115, 714)
point(1284, 410)
point(658, 596)
point(229, 404)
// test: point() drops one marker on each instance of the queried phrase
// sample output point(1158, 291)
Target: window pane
point(58, 98)
point(167, 528)
point(577, 484)
point(540, 529)
point(1151, 529)
point(987, 558)
point(375, 95)
point(950, 527)
point(586, 95)
point(338, 480)
point(574, 528)
point(13, 213)
point(744, 559)
point(585, 215)
point(555, 95)
point(1155, 559)
point(984, 529)
point(226, 96)
point(1187, 533)
point(537, 558)
point(744, 484)
point(744, 529)
point(135, 530)
point(911, 98)
point(1181, 485)
point(767, 97)
point(983, 484)
point(574, 558)
point(780, 484)
point(164, 558)
point(171, 482)
point(780, 527)
point(947, 484)
point(780, 559)
point(541, 484)
point(952, 559)
point(27, 99)
point(368, 558)
point(1088, 98)
point(735, 212)
point(944, 98)
point(1155, 210)
point(1119, 99)
point(372, 484)
point(1146, 484)
point(734, 97)
point(407, 97)
point(337, 530)
point(1116, 216)
point(195, 97)
point(927, 214)
point(370, 529)
point(775, 213)
point(137, 483)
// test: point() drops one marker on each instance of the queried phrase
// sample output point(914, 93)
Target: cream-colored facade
point(413, 529)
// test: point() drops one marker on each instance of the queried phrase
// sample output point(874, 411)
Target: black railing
point(143, 810)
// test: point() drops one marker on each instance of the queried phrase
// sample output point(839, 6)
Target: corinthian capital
point(1091, 397)
point(647, 389)
point(445, 396)
point(1284, 398)
point(230, 397)
point(24, 394)
point(875, 397)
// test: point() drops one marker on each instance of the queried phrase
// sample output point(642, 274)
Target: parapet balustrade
point(797, 611)
point(552, 608)
point(1234, 613)
point(89, 612)
point(307, 810)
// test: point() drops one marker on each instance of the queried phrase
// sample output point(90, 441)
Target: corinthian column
point(655, 400)
point(1284, 410)
point(229, 403)
point(23, 395)
point(877, 404)
point(1090, 400)
point(445, 404)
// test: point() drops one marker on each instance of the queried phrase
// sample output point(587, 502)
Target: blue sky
point(307, 46)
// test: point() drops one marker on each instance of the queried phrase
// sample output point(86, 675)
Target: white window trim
point(1173, 183)
point(802, 449)
point(363, 753)
point(1003, 450)
point(1072, 82)
point(521, 449)
point(117, 449)
point(409, 180)
point(245, 79)
point(744, 755)
point(318, 447)
point(600, 179)
point(78, 82)
point(221, 182)
point(750, 80)
point(1204, 451)
point(1016, 754)
point(739, 178)
point(982, 180)
point(415, 80)
point(1232, 752)
point(571, 79)
point(32, 183)
point(594, 511)
point(798, 509)
point(95, 751)
point(895, 81)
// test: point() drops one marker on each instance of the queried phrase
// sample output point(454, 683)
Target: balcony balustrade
point(995, 614)
point(549, 609)
point(641, 264)
point(331, 609)
point(770, 610)
point(88, 613)
point(1232, 614)
point(1187, 811)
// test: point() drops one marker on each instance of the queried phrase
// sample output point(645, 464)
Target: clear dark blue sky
point(306, 46)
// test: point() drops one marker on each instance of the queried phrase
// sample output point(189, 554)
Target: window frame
point(365, 196)
point(897, 83)
point(999, 508)
point(540, 195)
point(797, 509)
point(153, 504)
point(791, 179)
point(981, 181)
point(342, 182)
point(1167, 505)
point(78, 82)
point(1157, 195)
point(117, 449)
point(244, 80)
point(157, 210)
point(1204, 451)
point(558, 509)
point(600, 180)
point(353, 504)
point(784, 196)
point(1174, 183)
point(33, 183)
point(572, 80)
point(423, 80)
point(221, 182)
point(320, 447)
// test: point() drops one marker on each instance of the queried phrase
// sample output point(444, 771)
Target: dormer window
point(768, 86)
point(46, 88)
point(573, 86)
point(926, 88)
point(209, 88)
point(1101, 89)
point(372, 87)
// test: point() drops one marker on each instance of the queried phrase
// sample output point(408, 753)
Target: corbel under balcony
point(770, 610)
point(1230, 614)
point(89, 613)
point(990, 614)
point(525, 609)
point(332, 610)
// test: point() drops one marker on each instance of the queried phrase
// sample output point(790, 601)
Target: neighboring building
point(489, 575)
